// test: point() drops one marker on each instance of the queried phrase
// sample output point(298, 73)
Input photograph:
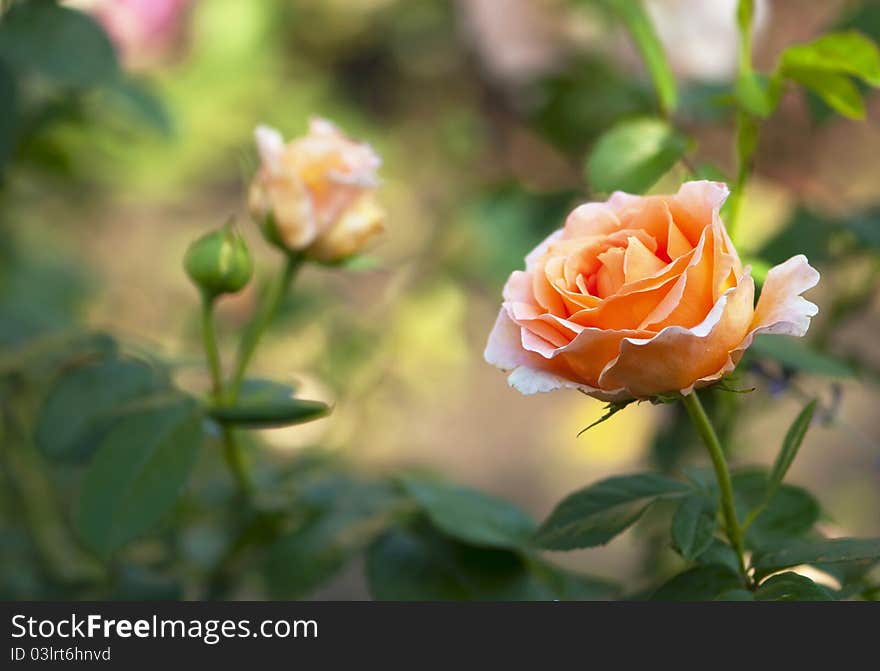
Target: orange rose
point(316, 192)
point(641, 296)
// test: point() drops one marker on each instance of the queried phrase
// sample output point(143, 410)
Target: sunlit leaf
point(633, 155)
point(849, 53)
point(836, 90)
point(758, 94)
point(633, 15)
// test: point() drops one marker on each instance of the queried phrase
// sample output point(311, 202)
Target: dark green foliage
point(139, 470)
point(790, 586)
point(596, 514)
point(470, 515)
point(701, 583)
point(85, 401)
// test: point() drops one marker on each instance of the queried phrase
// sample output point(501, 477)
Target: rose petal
point(293, 210)
point(504, 350)
point(674, 358)
point(780, 307)
point(270, 147)
point(591, 219)
point(781, 311)
point(639, 262)
point(692, 296)
point(696, 205)
point(593, 349)
point(676, 245)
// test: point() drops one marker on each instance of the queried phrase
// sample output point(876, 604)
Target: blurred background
point(483, 111)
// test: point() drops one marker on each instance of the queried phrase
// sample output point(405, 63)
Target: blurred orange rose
point(641, 296)
point(317, 192)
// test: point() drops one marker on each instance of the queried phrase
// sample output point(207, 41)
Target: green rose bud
point(219, 262)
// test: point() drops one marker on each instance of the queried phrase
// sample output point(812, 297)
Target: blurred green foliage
point(100, 501)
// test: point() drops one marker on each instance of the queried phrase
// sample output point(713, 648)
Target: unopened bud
point(219, 262)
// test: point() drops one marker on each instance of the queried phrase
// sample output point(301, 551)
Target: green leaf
point(470, 515)
point(83, 403)
point(60, 44)
point(419, 563)
point(796, 552)
point(721, 554)
point(633, 155)
point(139, 471)
point(633, 15)
point(865, 227)
point(849, 53)
point(693, 525)
point(838, 91)
point(610, 410)
point(791, 512)
point(136, 98)
point(309, 556)
point(46, 355)
point(711, 172)
point(805, 232)
point(798, 355)
point(258, 390)
point(9, 120)
point(571, 586)
point(135, 582)
point(701, 583)
point(851, 575)
point(263, 404)
point(746, 138)
point(790, 446)
point(790, 586)
point(758, 94)
point(736, 595)
point(745, 11)
point(596, 514)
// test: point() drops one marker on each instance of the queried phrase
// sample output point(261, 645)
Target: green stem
point(744, 15)
point(231, 447)
point(266, 314)
point(236, 462)
point(704, 426)
point(209, 341)
point(746, 127)
point(746, 144)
